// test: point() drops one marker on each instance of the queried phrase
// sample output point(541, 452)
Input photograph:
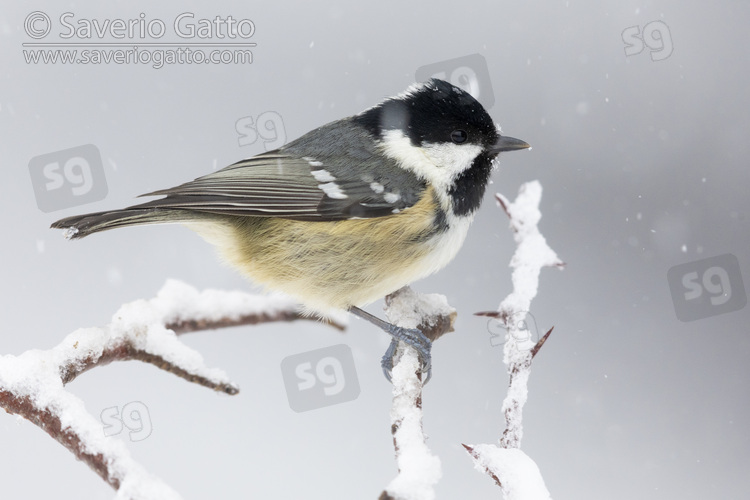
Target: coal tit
point(350, 211)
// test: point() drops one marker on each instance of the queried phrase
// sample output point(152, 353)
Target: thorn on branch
point(489, 314)
point(541, 342)
point(503, 202)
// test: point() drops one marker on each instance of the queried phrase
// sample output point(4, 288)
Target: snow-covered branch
point(32, 384)
point(512, 469)
point(418, 469)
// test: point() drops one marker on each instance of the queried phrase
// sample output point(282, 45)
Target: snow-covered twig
point(515, 472)
point(418, 469)
point(32, 384)
point(178, 309)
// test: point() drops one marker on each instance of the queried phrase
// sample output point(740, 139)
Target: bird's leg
point(411, 336)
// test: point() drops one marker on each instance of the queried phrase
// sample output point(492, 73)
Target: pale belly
point(330, 266)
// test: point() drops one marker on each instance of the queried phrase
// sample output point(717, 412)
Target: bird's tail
point(79, 226)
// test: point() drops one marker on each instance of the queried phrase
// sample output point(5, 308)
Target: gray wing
point(303, 181)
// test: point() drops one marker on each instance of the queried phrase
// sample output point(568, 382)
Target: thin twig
point(49, 422)
point(532, 254)
point(475, 455)
point(125, 351)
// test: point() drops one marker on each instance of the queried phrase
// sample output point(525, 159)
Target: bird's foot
point(414, 338)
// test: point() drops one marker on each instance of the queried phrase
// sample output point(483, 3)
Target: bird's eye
point(459, 136)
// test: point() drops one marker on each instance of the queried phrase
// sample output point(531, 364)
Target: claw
point(415, 339)
point(386, 362)
point(410, 336)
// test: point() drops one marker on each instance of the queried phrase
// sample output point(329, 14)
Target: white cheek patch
point(454, 157)
point(398, 147)
point(438, 164)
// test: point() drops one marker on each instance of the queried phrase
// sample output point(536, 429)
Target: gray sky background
point(637, 157)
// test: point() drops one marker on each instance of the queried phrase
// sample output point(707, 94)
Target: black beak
point(508, 144)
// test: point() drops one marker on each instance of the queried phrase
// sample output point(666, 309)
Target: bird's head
point(442, 134)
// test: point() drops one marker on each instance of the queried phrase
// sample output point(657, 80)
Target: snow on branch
point(513, 470)
point(418, 469)
point(32, 384)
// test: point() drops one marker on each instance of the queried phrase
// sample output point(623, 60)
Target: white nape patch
point(377, 187)
point(391, 197)
point(332, 190)
point(410, 91)
point(439, 164)
point(414, 88)
point(322, 175)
